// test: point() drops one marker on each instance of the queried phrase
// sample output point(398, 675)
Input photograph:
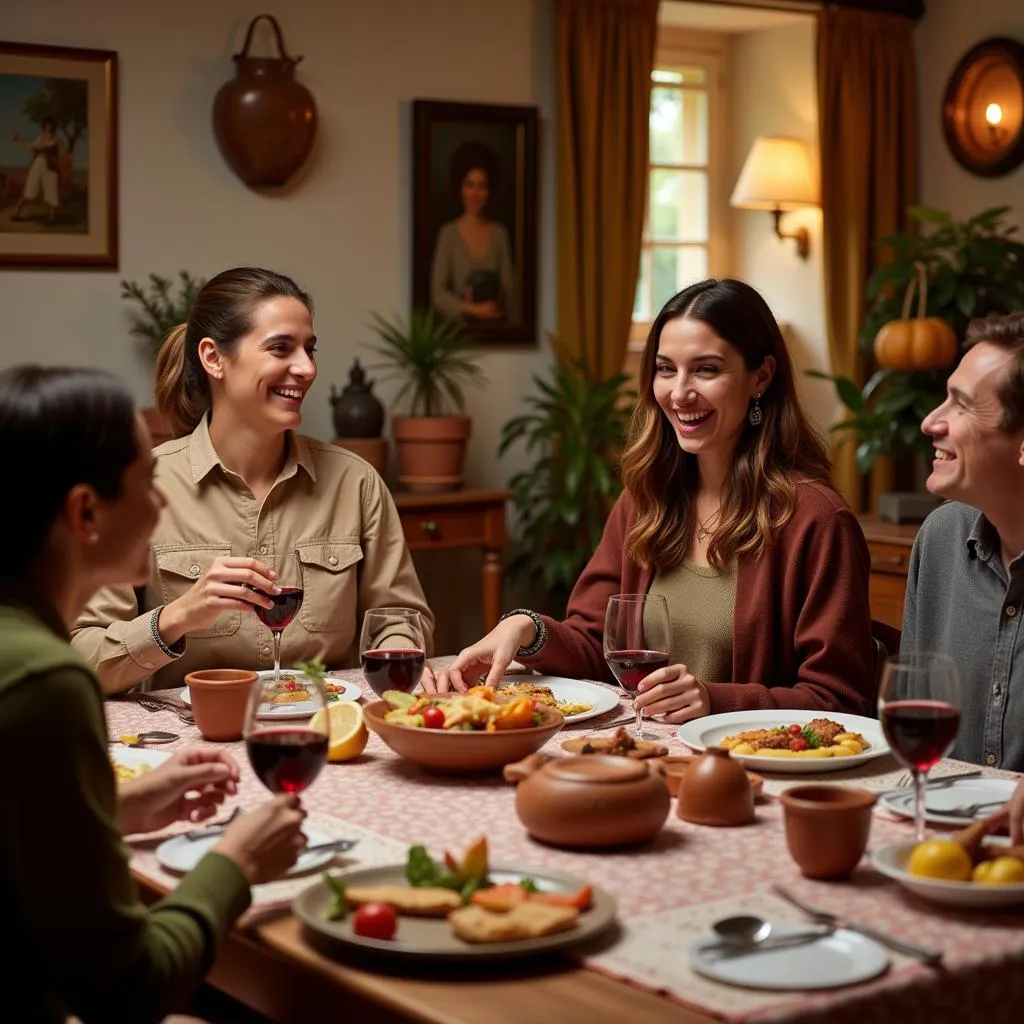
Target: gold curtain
point(605, 59)
point(867, 112)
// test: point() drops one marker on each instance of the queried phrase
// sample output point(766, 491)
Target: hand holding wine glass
point(392, 649)
point(919, 706)
point(636, 642)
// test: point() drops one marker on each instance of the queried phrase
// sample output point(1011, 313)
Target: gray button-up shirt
point(960, 601)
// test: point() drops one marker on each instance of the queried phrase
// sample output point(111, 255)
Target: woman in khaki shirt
point(242, 490)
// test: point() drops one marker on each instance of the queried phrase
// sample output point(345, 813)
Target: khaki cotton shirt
point(326, 504)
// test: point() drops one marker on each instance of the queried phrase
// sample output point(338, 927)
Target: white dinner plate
point(842, 958)
point(573, 691)
point(303, 709)
point(702, 733)
point(138, 757)
point(180, 854)
point(891, 861)
point(942, 801)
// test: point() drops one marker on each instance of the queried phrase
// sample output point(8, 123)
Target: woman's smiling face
point(704, 388)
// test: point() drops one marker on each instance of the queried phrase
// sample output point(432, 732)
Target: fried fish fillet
point(523, 921)
point(406, 899)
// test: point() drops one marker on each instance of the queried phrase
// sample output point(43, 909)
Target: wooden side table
point(889, 545)
point(460, 519)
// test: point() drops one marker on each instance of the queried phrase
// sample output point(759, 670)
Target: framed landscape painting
point(475, 217)
point(58, 156)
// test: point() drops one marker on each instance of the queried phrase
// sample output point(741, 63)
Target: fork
point(930, 957)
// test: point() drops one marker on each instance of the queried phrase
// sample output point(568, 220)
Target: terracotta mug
point(827, 827)
point(220, 698)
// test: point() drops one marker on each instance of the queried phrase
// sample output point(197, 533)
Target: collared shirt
point(326, 504)
point(962, 602)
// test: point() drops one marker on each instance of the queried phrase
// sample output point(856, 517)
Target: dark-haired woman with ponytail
point(242, 486)
point(728, 512)
point(82, 942)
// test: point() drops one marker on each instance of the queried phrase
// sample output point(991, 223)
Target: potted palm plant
point(432, 358)
point(575, 427)
point(159, 310)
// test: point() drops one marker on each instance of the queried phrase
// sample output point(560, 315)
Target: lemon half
point(346, 730)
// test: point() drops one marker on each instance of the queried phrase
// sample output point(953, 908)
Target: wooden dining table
point(666, 892)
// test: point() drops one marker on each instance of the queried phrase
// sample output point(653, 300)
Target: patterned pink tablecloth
point(667, 892)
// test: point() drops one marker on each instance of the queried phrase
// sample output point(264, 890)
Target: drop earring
point(755, 412)
point(93, 537)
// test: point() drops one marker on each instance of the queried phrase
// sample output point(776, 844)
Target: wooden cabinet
point(889, 545)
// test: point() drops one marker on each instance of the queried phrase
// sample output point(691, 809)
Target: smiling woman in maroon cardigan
point(729, 512)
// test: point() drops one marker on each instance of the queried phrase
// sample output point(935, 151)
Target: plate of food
point(131, 762)
point(954, 802)
point(798, 742)
point(985, 874)
point(454, 910)
point(577, 699)
point(291, 700)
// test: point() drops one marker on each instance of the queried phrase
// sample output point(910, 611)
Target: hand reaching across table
point(491, 655)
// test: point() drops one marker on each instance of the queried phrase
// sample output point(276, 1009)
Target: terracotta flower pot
point(827, 827)
point(431, 451)
point(373, 449)
point(220, 697)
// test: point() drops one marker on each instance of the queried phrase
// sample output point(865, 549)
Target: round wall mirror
point(983, 113)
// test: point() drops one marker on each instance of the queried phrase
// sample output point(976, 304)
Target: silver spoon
point(138, 739)
point(746, 933)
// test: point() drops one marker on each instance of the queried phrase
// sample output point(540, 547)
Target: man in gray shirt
point(965, 587)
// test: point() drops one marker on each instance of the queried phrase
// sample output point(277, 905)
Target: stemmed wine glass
point(392, 650)
point(286, 756)
point(286, 604)
point(919, 706)
point(636, 643)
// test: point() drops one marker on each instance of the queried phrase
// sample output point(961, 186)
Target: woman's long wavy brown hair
point(760, 491)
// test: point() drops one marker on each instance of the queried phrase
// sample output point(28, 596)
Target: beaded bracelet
point(539, 624)
point(172, 652)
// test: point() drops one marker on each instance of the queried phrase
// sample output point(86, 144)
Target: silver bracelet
point(154, 630)
point(539, 625)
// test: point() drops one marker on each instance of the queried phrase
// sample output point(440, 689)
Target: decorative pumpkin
point(923, 343)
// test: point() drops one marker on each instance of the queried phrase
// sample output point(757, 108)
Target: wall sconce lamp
point(777, 176)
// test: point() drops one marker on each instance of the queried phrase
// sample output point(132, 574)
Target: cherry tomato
point(798, 743)
point(796, 730)
point(375, 921)
point(433, 718)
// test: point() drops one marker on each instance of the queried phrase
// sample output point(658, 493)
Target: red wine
point(286, 760)
point(398, 669)
point(286, 607)
point(629, 667)
point(920, 731)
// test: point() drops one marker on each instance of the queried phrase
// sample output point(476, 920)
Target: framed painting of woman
point(475, 217)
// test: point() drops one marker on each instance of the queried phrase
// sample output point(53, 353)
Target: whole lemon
point(1000, 871)
point(940, 858)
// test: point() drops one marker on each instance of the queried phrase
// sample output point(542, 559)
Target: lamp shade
point(776, 176)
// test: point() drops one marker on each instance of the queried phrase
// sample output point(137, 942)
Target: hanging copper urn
point(264, 121)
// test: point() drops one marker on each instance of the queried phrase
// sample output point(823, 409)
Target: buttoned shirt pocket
point(178, 568)
point(330, 579)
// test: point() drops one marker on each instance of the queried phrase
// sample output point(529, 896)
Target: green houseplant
point(432, 357)
point(574, 428)
point(974, 268)
point(160, 309)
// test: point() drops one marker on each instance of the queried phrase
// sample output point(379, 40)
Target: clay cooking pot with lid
point(593, 801)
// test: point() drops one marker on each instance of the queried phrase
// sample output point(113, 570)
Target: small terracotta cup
point(220, 697)
point(827, 827)
point(715, 790)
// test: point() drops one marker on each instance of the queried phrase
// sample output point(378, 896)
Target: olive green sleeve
point(75, 896)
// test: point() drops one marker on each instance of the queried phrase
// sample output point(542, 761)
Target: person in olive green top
point(84, 944)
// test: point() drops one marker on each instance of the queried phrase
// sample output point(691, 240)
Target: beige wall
point(343, 231)
point(773, 92)
point(949, 29)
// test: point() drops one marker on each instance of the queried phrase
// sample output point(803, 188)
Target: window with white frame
point(684, 238)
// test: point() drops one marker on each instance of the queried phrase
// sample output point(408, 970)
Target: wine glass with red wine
point(636, 642)
point(392, 649)
point(286, 603)
point(919, 705)
point(286, 756)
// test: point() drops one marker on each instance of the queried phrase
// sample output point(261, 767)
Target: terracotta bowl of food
point(675, 765)
point(458, 752)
